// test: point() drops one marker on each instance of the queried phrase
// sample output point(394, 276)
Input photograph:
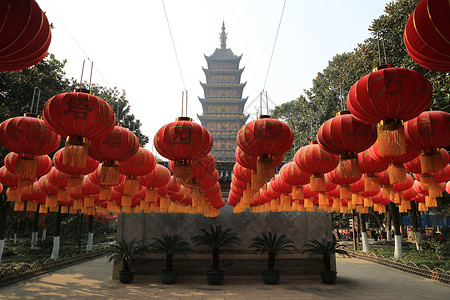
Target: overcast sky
point(130, 45)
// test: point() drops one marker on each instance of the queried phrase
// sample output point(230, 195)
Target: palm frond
point(271, 243)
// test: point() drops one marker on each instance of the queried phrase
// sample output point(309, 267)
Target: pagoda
point(223, 105)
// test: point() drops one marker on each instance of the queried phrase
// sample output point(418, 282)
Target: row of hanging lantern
point(187, 146)
point(385, 133)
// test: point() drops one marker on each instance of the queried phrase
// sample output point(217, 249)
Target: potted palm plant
point(271, 244)
point(326, 249)
point(216, 238)
point(122, 253)
point(169, 244)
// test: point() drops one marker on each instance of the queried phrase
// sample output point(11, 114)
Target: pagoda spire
point(223, 37)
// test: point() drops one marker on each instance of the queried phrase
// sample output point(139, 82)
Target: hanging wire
point(90, 77)
point(186, 103)
point(182, 103)
point(82, 72)
point(274, 44)
point(267, 104)
point(38, 98)
point(173, 44)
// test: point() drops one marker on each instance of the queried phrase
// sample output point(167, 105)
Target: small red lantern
point(427, 133)
point(314, 160)
point(396, 169)
point(24, 36)
point(183, 141)
point(344, 182)
point(370, 166)
point(79, 116)
point(76, 172)
point(10, 180)
point(105, 190)
point(140, 164)
point(265, 138)
point(346, 136)
point(51, 190)
point(117, 146)
point(427, 35)
point(158, 177)
point(387, 97)
point(60, 179)
point(29, 137)
point(291, 174)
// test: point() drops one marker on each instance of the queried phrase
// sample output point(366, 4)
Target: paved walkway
point(357, 279)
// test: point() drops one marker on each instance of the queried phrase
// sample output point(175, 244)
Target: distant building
point(223, 105)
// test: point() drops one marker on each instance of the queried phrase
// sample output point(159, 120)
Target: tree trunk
point(415, 225)
point(397, 236)
point(169, 262)
point(4, 205)
point(79, 227)
point(35, 230)
point(388, 226)
point(56, 236)
point(16, 230)
point(215, 262)
point(90, 233)
point(365, 241)
point(271, 262)
point(355, 244)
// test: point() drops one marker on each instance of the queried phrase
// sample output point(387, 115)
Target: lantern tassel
point(105, 193)
point(265, 169)
point(397, 174)
point(297, 193)
point(345, 192)
point(88, 201)
point(371, 183)
point(25, 167)
point(74, 183)
point(110, 173)
point(126, 200)
point(131, 185)
point(391, 138)
point(75, 151)
point(14, 195)
point(19, 206)
point(431, 162)
point(349, 166)
point(151, 195)
point(183, 170)
point(317, 182)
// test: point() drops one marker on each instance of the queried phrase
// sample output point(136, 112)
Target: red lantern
point(388, 97)
point(370, 166)
point(344, 182)
point(10, 180)
point(76, 172)
point(183, 141)
point(314, 160)
point(158, 177)
point(29, 137)
point(51, 190)
point(427, 35)
point(431, 181)
point(346, 136)
point(265, 138)
point(427, 133)
point(24, 36)
point(105, 190)
point(396, 169)
point(117, 146)
point(140, 164)
point(80, 117)
point(291, 174)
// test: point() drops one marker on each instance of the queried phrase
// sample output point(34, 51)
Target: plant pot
point(328, 277)
point(169, 277)
point(126, 277)
point(214, 277)
point(271, 277)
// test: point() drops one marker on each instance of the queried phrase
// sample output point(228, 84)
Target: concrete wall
point(300, 227)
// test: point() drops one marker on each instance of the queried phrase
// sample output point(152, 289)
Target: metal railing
point(12, 275)
point(410, 267)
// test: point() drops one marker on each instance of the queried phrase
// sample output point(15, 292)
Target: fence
point(12, 275)
point(399, 264)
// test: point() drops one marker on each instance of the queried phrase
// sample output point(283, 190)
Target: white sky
point(129, 42)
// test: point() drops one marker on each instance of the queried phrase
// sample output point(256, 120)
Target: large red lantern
point(396, 169)
point(183, 141)
point(314, 160)
point(427, 35)
point(387, 97)
point(346, 136)
point(140, 164)
point(265, 138)
point(427, 133)
point(76, 172)
point(24, 35)
point(29, 137)
point(117, 146)
point(370, 166)
point(79, 116)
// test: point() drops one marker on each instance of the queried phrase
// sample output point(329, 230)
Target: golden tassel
point(368, 202)
point(274, 205)
point(265, 169)
point(24, 184)
point(397, 198)
point(19, 206)
point(422, 207)
point(14, 195)
point(131, 185)
point(31, 206)
point(53, 209)
point(371, 183)
point(51, 201)
point(105, 193)
point(317, 182)
point(151, 195)
point(64, 209)
point(164, 204)
point(43, 209)
point(297, 193)
point(74, 183)
point(126, 200)
point(397, 174)
point(182, 170)
point(75, 151)
point(357, 199)
point(89, 201)
point(72, 210)
point(387, 191)
point(431, 161)
point(391, 137)
point(25, 166)
point(349, 165)
point(323, 199)
point(109, 174)
point(77, 204)
point(63, 194)
point(430, 201)
point(127, 210)
point(427, 179)
point(342, 209)
point(345, 192)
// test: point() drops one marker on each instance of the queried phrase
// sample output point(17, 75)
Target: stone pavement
point(357, 279)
